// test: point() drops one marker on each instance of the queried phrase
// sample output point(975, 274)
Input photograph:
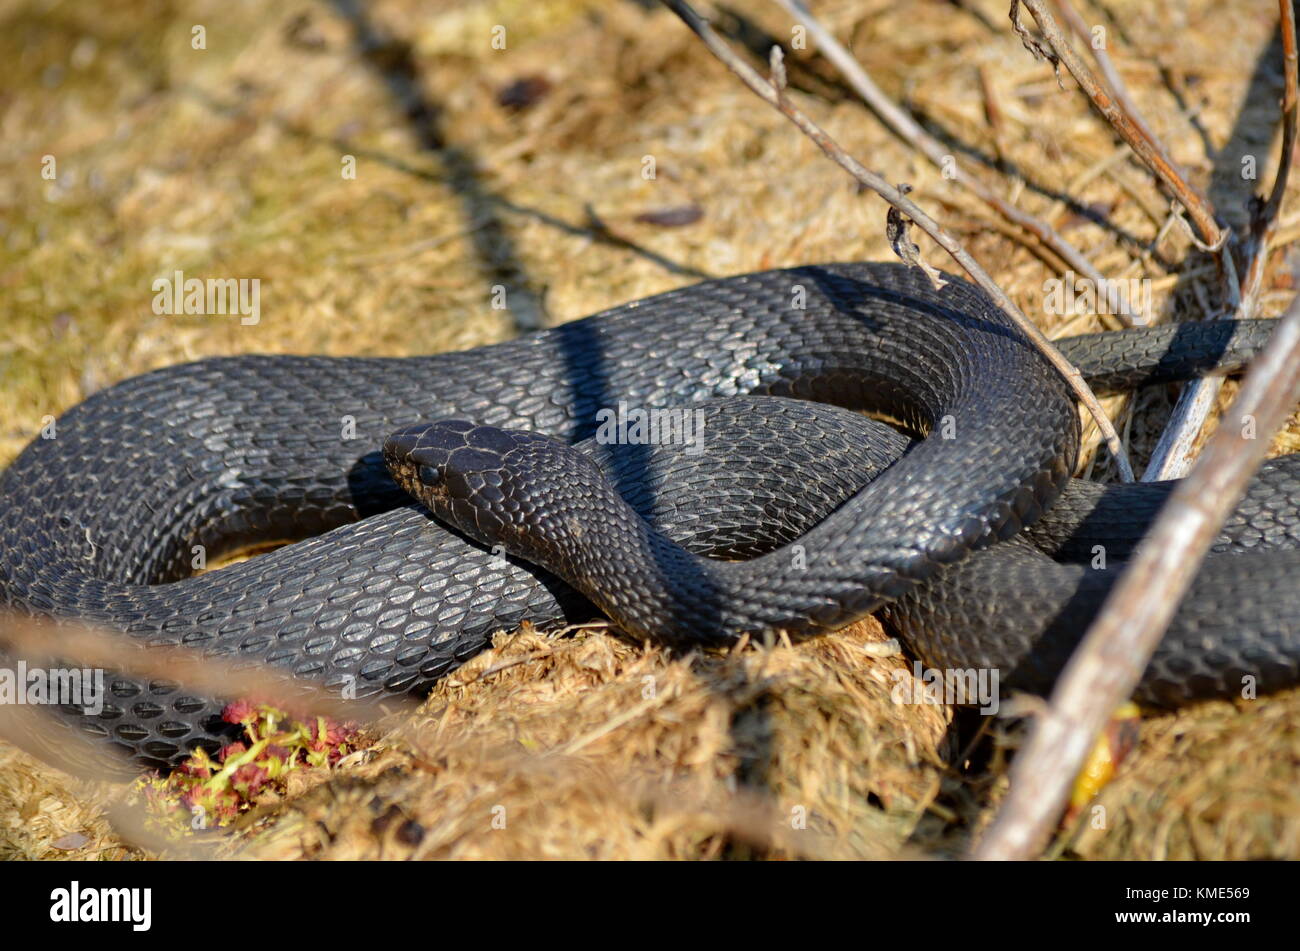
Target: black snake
point(822, 515)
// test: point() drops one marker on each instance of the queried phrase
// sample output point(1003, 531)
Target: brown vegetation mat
point(227, 162)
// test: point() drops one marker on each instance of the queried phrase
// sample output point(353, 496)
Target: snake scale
point(959, 520)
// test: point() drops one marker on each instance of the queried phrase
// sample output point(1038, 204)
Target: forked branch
point(1108, 664)
point(1056, 49)
point(911, 131)
point(773, 93)
point(1173, 452)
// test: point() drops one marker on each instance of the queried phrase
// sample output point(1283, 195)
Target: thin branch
point(1103, 671)
point(775, 96)
point(1059, 51)
point(1173, 452)
point(1109, 662)
point(89, 645)
point(1107, 66)
point(910, 131)
point(92, 646)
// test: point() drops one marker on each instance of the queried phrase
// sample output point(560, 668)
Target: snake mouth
point(399, 457)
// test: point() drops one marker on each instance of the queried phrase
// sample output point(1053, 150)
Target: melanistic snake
point(102, 522)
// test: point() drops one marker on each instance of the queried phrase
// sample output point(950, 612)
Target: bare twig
point(776, 97)
point(996, 119)
point(1058, 51)
point(908, 129)
point(86, 645)
point(1173, 452)
point(76, 754)
point(1107, 66)
point(1106, 667)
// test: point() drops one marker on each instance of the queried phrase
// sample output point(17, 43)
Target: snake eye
point(429, 475)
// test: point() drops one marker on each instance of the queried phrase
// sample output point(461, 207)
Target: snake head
point(478, 479)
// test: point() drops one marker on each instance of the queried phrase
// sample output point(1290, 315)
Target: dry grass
point(226, 162)
point(589, 746)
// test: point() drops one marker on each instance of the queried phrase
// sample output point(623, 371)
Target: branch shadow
point(393, 60)
point(592, 230)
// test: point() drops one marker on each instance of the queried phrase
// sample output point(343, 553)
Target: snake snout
point(449, 458)
point(474, 478)
point(417, 455)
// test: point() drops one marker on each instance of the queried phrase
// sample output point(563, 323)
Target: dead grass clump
point(588, 746)
point(1216, 781)
point(44, 814)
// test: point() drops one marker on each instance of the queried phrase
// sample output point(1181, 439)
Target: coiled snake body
point(102, 522)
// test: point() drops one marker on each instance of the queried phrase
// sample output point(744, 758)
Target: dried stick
point(1058, 51)
point(910, 131)
point(1173, 452)
point(773, 93)
point(1106, 667)
point(85, 644)
point(88, 645)
point(1107, 66)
